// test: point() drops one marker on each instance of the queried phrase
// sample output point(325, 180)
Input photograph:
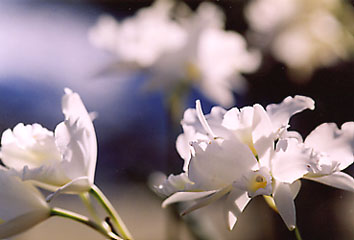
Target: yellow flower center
point(257, 182)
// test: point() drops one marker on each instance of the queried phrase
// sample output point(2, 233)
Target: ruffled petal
point(28, 145)
point(281, 113)
point(338, 144)
point(172, 184)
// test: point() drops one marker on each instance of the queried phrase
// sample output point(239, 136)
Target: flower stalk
point(116, 220)
point(84, 220)
point(297, 233)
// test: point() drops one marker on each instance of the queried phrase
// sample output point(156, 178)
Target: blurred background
point(288, 48)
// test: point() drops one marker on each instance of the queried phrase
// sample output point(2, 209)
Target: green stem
point(297, 233)
point(117, 221)
point(85, 198)
point(82, 219)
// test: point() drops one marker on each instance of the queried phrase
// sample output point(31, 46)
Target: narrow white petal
point(207, 200)
point(283, 198)
point(337, 143)
point(202, 119)
point(295, 188)
point(339, 180)
point(75, 112)
point(80, 184)
point(186, 196)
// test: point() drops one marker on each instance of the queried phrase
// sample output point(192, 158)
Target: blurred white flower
point(21, 205)
point(236, 158)
point(66, 159)
point(305, 35)
point(192, 49)
point(140, 39)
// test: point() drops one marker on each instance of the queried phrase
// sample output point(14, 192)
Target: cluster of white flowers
point(305, 35)
point(188, 48)
point(243, 153)
point(62, 161)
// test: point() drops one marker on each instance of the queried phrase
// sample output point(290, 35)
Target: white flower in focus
point(332, 150)
point(65, 159)
point(255, 126)
point(22, 206)
point(236, 159)
point(140, 39)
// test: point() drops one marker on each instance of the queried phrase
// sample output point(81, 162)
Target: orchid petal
point(75, 111)
point(172, 184)
point(22, 223)
point(185, 196)
point(202, 119)
point(290, 161)
point(80, 184)
point(236, 201)
point(28, 145)
point(21, 205)
point(284, 201)
point(219, 165)
point(262, 132)
point(281, 113)
point(337, 143)
point(207, 200)
point(339, 180)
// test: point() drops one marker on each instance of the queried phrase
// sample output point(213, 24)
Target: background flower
point(304, 35)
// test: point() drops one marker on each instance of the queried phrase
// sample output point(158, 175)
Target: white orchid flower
point(65, 160)
point(211, 59)
point(140, 39)
point(254, 126)
point(304, 35)
point(331, 152)
point(21, 205)
point(236, 158)
point(180, 47)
